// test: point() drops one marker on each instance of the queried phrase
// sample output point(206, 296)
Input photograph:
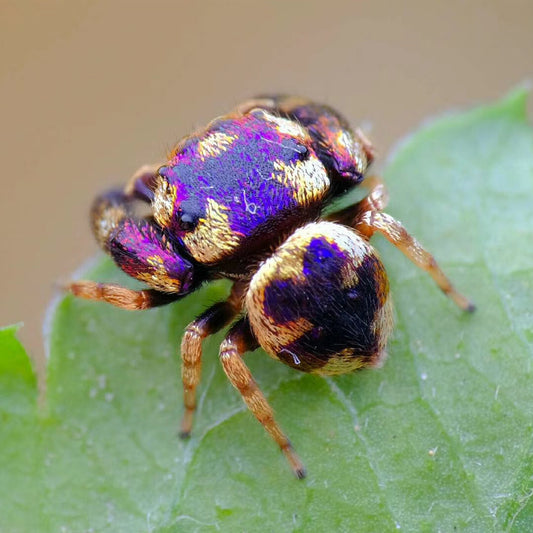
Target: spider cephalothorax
point(243, 199)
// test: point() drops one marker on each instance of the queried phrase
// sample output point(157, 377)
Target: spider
point(243, 199)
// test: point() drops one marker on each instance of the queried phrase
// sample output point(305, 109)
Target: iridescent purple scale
point(138, 247)
point(333, 138)
point(236, 163)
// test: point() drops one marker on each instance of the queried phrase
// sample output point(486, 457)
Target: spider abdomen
point(321, 302)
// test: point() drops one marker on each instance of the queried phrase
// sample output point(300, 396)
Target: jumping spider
point(243, 199)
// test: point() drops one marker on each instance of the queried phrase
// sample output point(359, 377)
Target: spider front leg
point(143, 251)
point(143, 182)
point(118, 296)
point(366, 217)
point(208, 323)
point(240, 340)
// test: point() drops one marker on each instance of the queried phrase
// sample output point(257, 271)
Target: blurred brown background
point(89, 91)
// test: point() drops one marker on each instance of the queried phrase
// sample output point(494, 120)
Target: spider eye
point(187, 222)
point(188, 215)
point(302, 151)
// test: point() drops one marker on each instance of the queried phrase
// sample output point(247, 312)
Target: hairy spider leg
point(140, 248)
point(208, 323)
point(118, 296)
point(143, 182)
point(366, 218)
point(239, 340)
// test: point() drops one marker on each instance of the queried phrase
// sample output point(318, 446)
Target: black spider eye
point(187, 222)
point(302, 151)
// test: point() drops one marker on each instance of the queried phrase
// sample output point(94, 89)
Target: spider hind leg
point(367, 218)
point(239, 340)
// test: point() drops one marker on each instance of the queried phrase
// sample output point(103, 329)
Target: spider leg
point(143, 182)
point(376, 200)
point(140, 248)
point(370, 222)
point(366, 218)
point(208, 323)
point(378, 196)
point(120, 296)
point(240, 340)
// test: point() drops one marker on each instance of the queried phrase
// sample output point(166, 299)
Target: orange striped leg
point(371, 221)
point(378, 197)
point(376, 200)
point(119, 296)
point(238, 341)
point(366, 218)
point(208, 323)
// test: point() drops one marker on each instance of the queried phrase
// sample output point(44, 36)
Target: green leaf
point(439, 439)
